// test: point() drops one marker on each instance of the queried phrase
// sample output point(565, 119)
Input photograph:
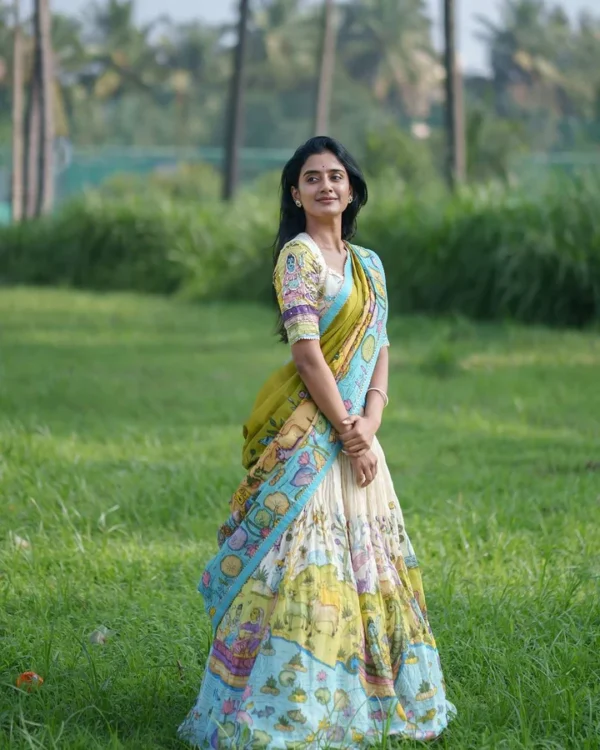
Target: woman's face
point(323, 189)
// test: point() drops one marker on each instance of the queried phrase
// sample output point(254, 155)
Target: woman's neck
point(327, 235)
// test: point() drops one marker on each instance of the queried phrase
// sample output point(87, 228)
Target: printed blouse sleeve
point(297, 283)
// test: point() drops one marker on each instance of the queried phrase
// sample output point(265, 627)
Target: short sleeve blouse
point(305, 287)
point(299, 281)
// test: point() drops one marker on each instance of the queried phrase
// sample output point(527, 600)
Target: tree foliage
point(162, 83)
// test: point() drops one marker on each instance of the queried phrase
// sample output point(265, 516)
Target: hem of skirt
point(364, 743)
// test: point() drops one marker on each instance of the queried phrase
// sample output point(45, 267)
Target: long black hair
point(292, 220)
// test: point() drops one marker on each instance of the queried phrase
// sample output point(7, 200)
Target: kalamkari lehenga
point(321, 630)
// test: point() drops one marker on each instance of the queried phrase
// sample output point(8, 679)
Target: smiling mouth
point(326, 200)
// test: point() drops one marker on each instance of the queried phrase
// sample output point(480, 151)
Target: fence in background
point(85, 168)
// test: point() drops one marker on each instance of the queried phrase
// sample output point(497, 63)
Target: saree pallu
point(315, 596)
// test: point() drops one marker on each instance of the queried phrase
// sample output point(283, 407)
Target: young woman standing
point(321, 630)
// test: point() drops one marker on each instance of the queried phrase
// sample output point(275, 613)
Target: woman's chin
point(326, 210)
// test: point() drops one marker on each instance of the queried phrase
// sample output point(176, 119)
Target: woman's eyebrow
point(318, 171)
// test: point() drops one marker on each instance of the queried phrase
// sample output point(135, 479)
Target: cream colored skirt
point(328, 643)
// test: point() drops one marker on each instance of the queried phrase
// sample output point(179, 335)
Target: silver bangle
point(383, 394)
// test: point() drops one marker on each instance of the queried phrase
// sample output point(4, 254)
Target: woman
point(329, 644)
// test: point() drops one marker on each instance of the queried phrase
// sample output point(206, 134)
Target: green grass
point(120, 442)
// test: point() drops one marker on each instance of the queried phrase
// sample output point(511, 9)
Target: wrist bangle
point(383, 395)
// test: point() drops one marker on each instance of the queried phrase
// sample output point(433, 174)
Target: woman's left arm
point(358, 440)
point(375, 400)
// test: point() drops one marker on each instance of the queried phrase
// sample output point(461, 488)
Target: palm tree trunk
point(235, 121)
point(17, 119)
point(326, 72)
point(33, 142)
point(455, 126)
point(44, 39)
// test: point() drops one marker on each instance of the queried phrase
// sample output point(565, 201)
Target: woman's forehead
point(322, 163)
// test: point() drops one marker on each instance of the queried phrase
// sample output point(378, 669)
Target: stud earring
point(350, 199)
point(299, 204)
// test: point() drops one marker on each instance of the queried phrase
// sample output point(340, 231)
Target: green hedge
point(494, 252)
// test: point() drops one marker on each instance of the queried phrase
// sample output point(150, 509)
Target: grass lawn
point(120, 443)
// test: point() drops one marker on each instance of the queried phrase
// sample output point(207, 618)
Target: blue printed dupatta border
point(282, 495)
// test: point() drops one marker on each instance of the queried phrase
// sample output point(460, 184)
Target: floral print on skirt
point(328, 643)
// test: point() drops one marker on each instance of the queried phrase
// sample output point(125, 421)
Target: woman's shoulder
point(303, 242)
point(301, 251)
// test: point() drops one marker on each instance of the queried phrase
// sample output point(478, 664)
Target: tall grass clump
point(493, 252)
point(488, 252)
point(101, 244)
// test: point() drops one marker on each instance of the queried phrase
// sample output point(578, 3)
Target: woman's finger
point(350, 422)
point(358, 449)
point(359, 472)
point(355, 445)
point(357, 452)
point(356, 439)
point(350, 435)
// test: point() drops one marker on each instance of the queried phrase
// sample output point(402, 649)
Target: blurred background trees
point(139, 111)
point(120, 83)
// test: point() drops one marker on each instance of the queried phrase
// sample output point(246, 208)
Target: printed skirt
point(328, 643)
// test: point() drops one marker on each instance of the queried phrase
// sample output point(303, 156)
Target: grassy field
point(120, 442)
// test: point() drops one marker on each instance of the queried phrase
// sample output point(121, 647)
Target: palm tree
point(40, 118)
point(281, 49)
point(523, 48)
point(33, 128)
point(17, 118)
point(71, 61)
point(455, 123)
point(327, 69)
point(584, 74)
point(192, 57)
point(47, 93)
point(387, 45)
point(124, 52)
point(235, 123)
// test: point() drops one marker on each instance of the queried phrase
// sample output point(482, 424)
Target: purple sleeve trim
point(299, 310)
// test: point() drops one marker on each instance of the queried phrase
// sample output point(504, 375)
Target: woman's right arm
point(298, 278)
point(318, 379)
point(321, 385)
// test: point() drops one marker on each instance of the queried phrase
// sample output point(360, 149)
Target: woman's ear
point(295, 194)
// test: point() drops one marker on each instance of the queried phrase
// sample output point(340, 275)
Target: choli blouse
point(306, 288)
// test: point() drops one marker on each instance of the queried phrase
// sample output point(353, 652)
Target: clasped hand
point(357, 441)
point(358, 438)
